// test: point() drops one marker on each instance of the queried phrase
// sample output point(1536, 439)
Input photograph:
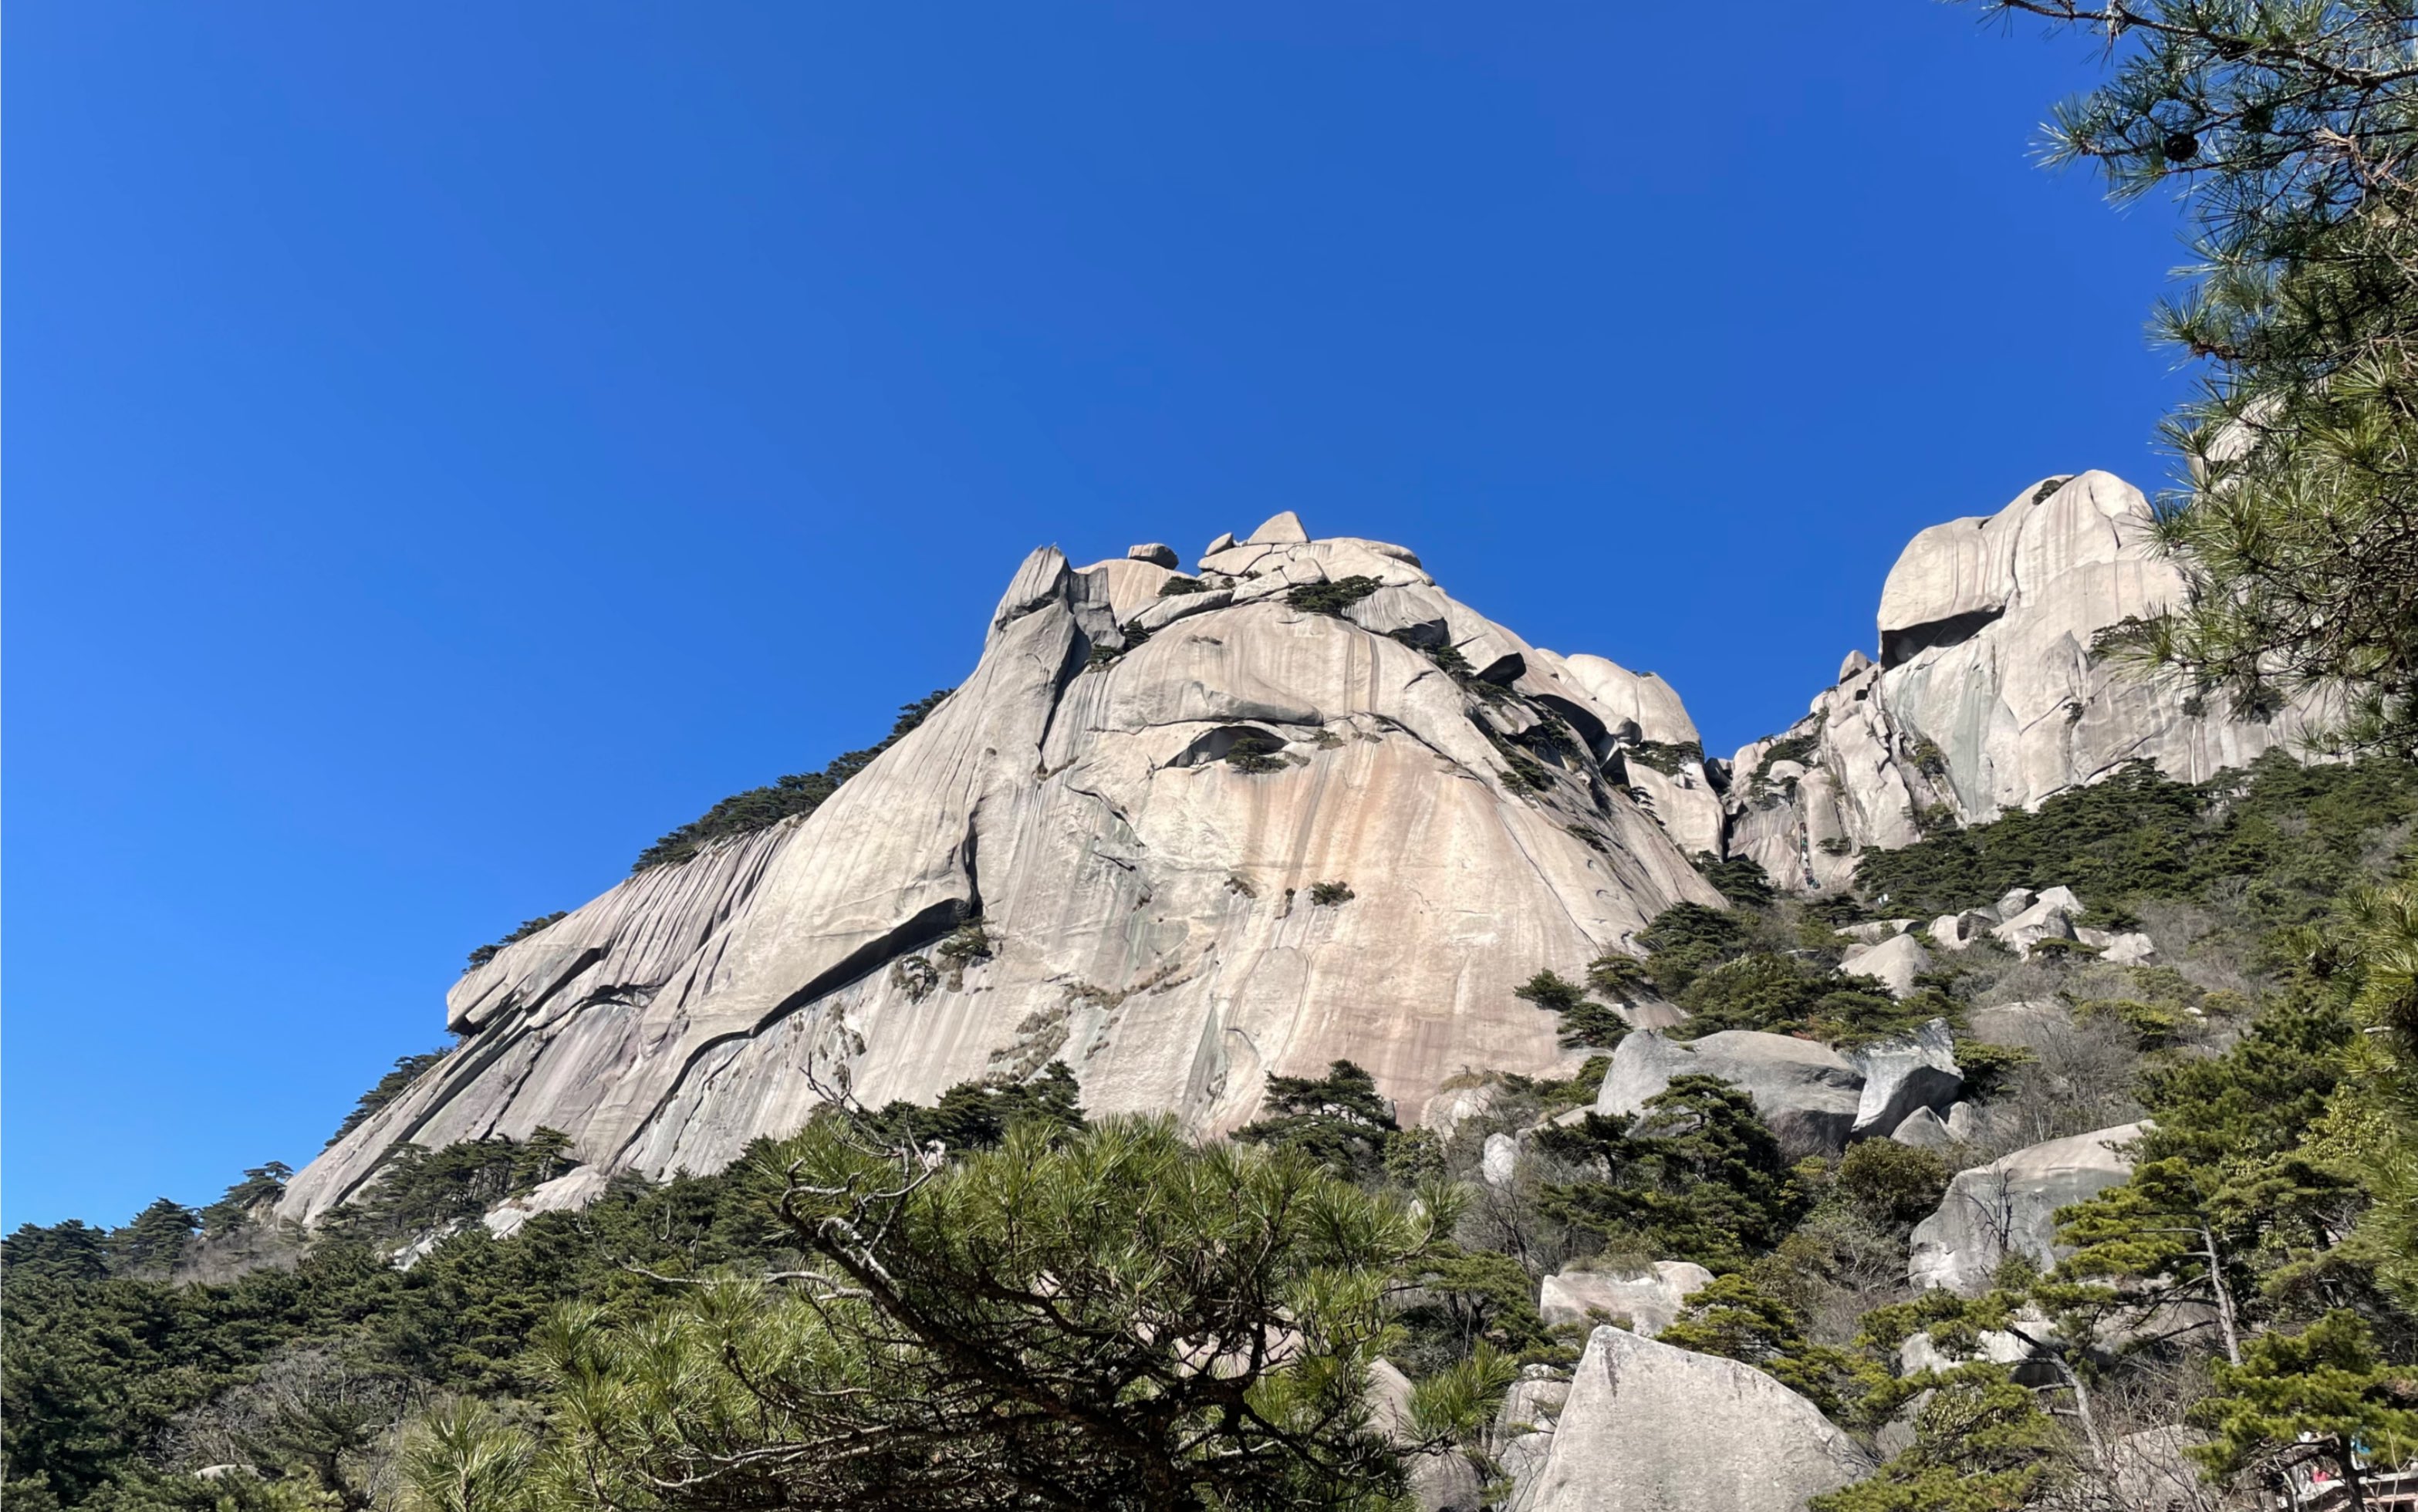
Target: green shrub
point(1584, 1022)
point(1339, 1120)
point(1669, 758)
point(528, 926)
point(1255, 750)
point(390, 1086)
point(1331, 895)
point(1739, 879)
point(1179, 585)
point(1891, 1184)
point(1687, 937)
point(760, 808)
point(1695, 1175)
point(1331, 598)
point(2296, 834)
point(2152, 1025)
point(1988, 1066)
point(1796, 748)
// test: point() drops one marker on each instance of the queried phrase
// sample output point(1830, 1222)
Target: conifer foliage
point(2289, 129)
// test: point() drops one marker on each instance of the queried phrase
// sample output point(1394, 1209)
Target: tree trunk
point(2224, 1316)
point(2348, 1462)
point(2082, 1410)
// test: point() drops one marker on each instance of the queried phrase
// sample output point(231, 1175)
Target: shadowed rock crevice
point(1899, 646)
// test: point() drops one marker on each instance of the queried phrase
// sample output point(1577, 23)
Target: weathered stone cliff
point(1134, 793)
point(1988, 696)
point(1142, 781)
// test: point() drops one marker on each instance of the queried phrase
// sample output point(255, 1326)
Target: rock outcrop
point(2010, 1206)
point(1136, 822)
point(1988, 695)
point(1647, 1427)
point(1643, 1304)
point(1138, 785)
point(1807, 1093)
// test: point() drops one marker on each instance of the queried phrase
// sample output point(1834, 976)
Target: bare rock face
point(1988, 695)
point(1808, 1093)
point(1145, 902)
point(2010, 1206)
point(1894, 963)
point(1647, 1427)
point(1905, 1077)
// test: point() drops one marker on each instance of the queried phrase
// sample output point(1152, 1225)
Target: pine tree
point(2290, 131)
point(2322, 1396)
point(1112, 1318)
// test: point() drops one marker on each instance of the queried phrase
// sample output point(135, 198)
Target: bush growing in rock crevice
point(1331, 598)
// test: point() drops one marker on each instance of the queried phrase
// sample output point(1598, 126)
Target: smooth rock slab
point(1652, 1428)
point(1894, 963)
point(1157, 554)
point(2010, 1206)
point(1283, 529)
point(1808, 1093)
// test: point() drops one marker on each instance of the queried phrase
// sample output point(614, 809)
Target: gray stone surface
point(1902, 1077)
point(1158, 554)
point(1282, 529)
point(1651, 1429)
point(1873, 931)
point(1649, 1301)
point(1167, 611)
point(2030, 1024)
point(2010, 1206)
point(1893, 963)
point(1136, 891)
point(1807, 1093)
point(1924, 1130)
point(1987, 697)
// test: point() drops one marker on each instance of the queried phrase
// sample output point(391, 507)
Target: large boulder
point(1461, 1099)
point(1894, 963)
point(2010, 1206)
point(1280, 529)
point(1499, 1160)
point(1652, 1428)
point(1649, 1301)
point(1924, 1130)
point(1808, 1093)
point(1903, 1076)
point(1523, 1425)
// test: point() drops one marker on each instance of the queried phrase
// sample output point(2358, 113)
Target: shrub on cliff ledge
point(801, 792)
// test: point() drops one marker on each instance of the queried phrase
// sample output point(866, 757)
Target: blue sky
point(451, 445)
